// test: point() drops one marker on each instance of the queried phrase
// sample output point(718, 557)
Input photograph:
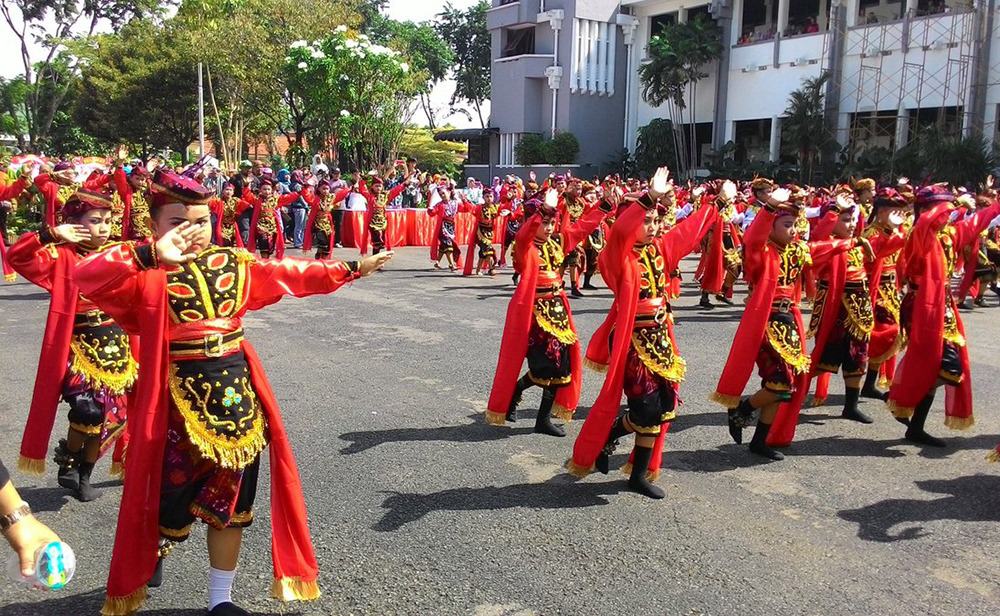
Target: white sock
point(220, 586)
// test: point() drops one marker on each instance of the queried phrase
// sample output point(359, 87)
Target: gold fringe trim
point(901, 412)
point(83, 429)
point(993, 456)
point(227, 453)
point(565, 336)
point(894, 348)
point(295, 589)
point(31, 465)
point(593, 365)
point(959, 423)
point(10, 277)
point(124, 606)
point(578, 470)
point(176, 534)
point(650, 475)
point(117, 470)
point(779, 336)
point(729, 402)
point(496, 419)
point(674, 373)
point(115, 382)
point(561, 412)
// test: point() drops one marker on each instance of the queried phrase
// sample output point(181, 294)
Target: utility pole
point(201, 115)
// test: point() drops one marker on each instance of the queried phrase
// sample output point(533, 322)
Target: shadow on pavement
point(685, 421)
point(968, 499)
point(476, 432)
point(560, 492)
point(53, 498)
point(90, 602)
point(24, 298)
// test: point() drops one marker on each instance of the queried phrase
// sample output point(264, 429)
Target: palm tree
point(804, 124)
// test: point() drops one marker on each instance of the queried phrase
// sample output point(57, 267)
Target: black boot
point(637, 481)
point(157, 580)
point(618, 430)
point(69, 462)
point(725, 300)
point(586, 282)
point(575, 291)
point(869, 389)
point(915, 432)
point(523, 383)
point(851, 411)
point(86, 492)
point(743, 416)
point(758, 444)
point(543, 423)
point(705, 302)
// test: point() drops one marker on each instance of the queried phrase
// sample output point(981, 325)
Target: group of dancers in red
point(876, 263)
point(150, 277)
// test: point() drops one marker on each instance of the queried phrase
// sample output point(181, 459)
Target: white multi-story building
point(895, 65)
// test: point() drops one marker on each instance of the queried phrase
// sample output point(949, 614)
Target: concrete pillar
point(682, 15)
point(911, 8)
point(782, 16)
point(737, 22)
point(775, 150)
point(823, 19)
point(851, 7)
point(902, 127)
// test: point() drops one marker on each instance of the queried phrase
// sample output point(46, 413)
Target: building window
point(946, 121)
point(519, 42)
point(479, 151)
point(508, 143)
point(873, 129)
point(593, 61)
point(700, 12)
point(752, 139)
point(658, 22)
point(876, 11)
point(760, 19)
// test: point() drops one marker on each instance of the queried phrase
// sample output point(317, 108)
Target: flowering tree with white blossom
point(358, 94)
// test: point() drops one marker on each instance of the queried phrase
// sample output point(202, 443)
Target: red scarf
point(134, 556)
point(622, 273)
point(922, 262)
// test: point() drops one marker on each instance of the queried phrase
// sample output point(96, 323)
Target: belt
point(92, 318)
point(784, 305)
point(211, 345)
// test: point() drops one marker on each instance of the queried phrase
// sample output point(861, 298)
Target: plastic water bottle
point(55, 564)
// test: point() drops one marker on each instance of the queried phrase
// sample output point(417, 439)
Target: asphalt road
point(418, 507)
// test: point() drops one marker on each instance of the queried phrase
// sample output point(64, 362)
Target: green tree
point(56, 25)
point(434, 156)
point(677, 57)
point(655, 147)
point(804, 126)
point(466, 33)
point(428, 53)
point(357, 91)
point(139, 86)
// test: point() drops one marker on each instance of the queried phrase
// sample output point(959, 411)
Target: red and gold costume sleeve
point(111, 279)
point(50, 192)
point(14, 189)
point(33, 256)
point(578, 231)
point(272, 279)
point(687, 235)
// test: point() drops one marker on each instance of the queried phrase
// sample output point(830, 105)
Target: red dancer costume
point(571, 209)
point(267, 232)
point(884, 233)
point(226, 210)
point(636, 345)
point(375, 221)
point(204, 408)
point(486, 217)
point(319, 225)
point(133, 190)
point(771, 333)
point(512, 202)
point(444, 243)
point(721, 263)
point(539, 325)
point(598, 237)
point(86, 358)
point(9, 192)
point(936, 345)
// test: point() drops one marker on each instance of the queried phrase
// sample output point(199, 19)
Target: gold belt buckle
point(213, 345)
point(661, 314)
point(784, 305)
point(94, 318)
